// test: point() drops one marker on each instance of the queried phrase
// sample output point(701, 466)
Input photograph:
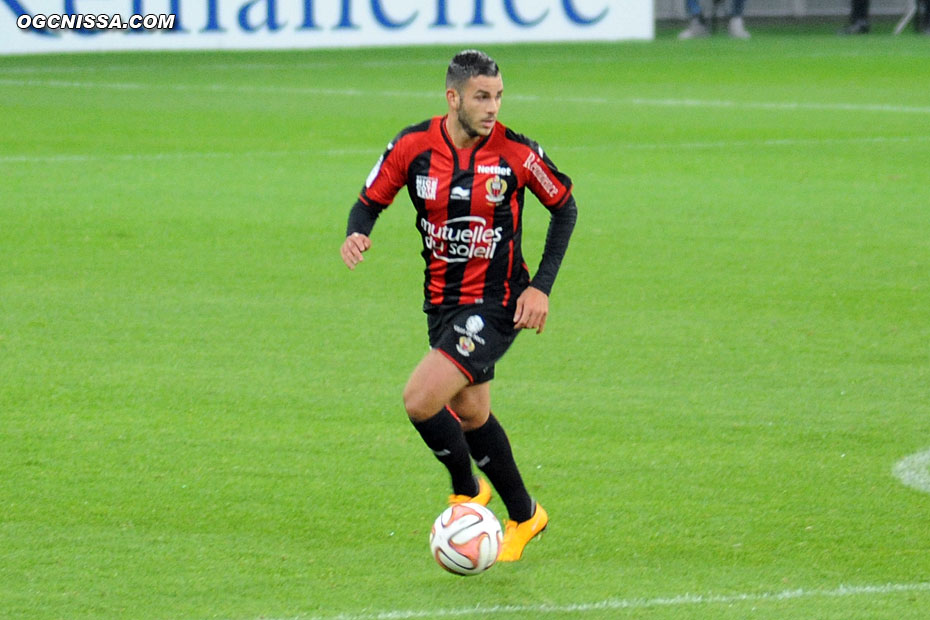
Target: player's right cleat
point(516, 535)
point(483, 497)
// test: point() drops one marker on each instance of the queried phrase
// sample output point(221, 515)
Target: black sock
point(443, 435)
point(491, 450)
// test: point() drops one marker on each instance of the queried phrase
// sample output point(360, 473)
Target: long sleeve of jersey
point(362, 219)
point(561, 225)
point(390, 174)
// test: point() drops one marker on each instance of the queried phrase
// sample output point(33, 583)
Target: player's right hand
point(352, 249)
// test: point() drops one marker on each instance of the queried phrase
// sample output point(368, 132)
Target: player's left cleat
point(483, 497)
point(516, 535)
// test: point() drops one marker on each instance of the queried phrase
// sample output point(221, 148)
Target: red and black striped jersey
point(469, 207)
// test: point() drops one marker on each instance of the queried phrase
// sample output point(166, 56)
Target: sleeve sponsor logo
point(532, 164)
point(461, 239)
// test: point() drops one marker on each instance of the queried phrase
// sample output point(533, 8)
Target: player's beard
point(465, 123)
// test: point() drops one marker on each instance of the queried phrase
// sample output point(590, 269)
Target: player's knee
point(417, 406)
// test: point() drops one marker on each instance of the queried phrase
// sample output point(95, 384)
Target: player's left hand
point(532, 310)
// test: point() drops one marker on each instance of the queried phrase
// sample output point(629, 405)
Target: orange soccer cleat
point(516, 535)
point(483, 497)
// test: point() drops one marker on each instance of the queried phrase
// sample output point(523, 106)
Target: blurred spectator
point(858, 18)
point(697, 27)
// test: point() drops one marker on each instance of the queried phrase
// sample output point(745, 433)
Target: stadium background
point(727, 416)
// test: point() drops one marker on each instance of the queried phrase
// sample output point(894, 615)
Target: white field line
point(226, 66)
point(914, 471)
point(683, 600)
point(439, 63)
point(81, 158)
point(728, 144)
point(785, 106)
point(180, 155)
point(220, 88)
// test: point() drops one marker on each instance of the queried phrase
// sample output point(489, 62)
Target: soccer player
point(466, 175)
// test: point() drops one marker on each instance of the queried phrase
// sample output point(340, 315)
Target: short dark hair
point(468, 64)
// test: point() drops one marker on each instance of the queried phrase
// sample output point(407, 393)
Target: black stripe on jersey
point(461, 178)
point(498, 270)
point(420, 166)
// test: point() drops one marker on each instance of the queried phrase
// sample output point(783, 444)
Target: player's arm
point(362, 220)
point(554, 190)
point(561, 225)
point(533, 304)
point(383, 183)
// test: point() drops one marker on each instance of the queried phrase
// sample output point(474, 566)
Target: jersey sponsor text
point(455, 241)
point(499, 170)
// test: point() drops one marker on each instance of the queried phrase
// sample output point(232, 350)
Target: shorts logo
point(426, 187)
point(496, 187)
point(466, 344)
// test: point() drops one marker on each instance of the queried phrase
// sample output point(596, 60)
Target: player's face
point(478, 104)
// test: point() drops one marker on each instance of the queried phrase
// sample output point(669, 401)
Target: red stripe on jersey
point(436, 268)
point(515, 215)
point(482, 228)
point(438, 209)
point(507, 290)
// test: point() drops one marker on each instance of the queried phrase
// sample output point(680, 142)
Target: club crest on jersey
point(469, 335)
point(496, 187)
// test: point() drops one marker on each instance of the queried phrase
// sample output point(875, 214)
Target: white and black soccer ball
point(466, 539)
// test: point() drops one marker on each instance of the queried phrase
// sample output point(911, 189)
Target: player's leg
point(473, 405)
point(432, 385)
point(490, 448)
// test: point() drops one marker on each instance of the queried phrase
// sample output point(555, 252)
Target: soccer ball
point(466, 539)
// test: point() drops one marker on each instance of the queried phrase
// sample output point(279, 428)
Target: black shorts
point(473, 337)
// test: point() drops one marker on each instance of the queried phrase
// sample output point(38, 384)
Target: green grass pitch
point(200, 412)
